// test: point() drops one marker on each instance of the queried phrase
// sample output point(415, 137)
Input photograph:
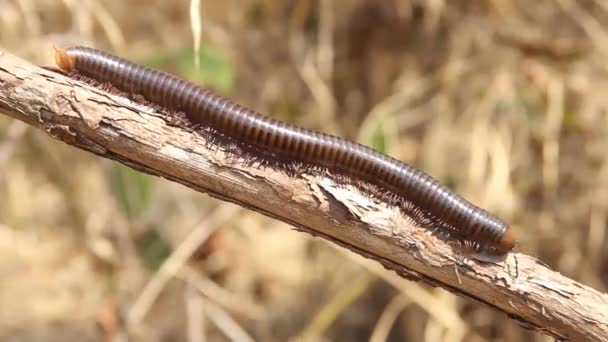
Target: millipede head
point(507, 242)
point(64, 61)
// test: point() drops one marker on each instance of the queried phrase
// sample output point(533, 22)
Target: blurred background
point(503, 100)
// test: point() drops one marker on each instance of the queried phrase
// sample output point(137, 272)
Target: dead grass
point(503, 100)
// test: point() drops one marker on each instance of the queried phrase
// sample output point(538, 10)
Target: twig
point(439, 312)
point(225, 323)
point(388, 318)
point(335, 307)
point(219, 295)
point(176, 261)
point(116, 128)
point(195, 313)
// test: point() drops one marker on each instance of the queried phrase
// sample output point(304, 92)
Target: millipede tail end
point(64, 61)
point(507, 242)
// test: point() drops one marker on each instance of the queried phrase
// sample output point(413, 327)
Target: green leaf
point(214, 70)
point(157, 61)
point(286, 110)
point(131, 189)
point(378, 140)
point(153, 249)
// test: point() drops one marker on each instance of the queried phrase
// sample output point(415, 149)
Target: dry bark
point(116, 128)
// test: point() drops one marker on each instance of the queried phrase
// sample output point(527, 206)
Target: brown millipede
point(426, 199)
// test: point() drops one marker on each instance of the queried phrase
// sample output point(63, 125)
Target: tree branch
point(117, 128)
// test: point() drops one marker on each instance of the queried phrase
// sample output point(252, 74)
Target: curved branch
point(117, 128)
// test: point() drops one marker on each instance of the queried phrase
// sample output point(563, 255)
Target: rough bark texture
point(116, 128)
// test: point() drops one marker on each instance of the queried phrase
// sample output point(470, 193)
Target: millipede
point(427, 199)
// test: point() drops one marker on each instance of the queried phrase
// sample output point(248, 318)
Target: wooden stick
point(133, 134)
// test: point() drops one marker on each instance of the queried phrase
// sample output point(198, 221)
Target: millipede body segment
point(439, 206)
